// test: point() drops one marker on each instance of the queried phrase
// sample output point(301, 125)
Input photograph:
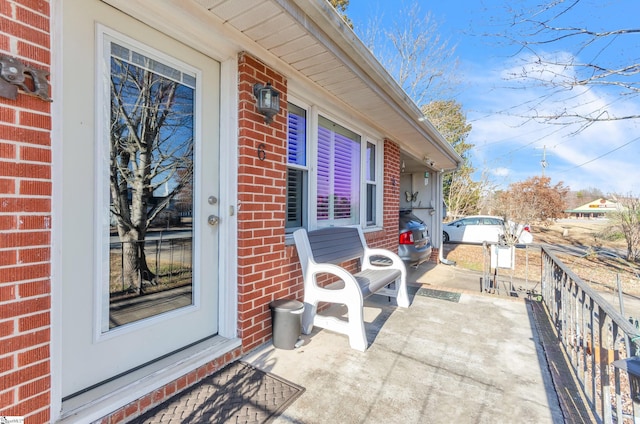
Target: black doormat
point(438, 294)
point(238, 393)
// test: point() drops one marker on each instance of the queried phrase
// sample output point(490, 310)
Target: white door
point(140, 184)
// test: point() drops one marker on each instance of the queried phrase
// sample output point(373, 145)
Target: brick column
point(25, 221)
point(265, 267)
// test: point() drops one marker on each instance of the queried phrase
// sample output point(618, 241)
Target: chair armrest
point(396, 262)
point(351, 286)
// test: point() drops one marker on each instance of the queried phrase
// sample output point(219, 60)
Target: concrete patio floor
point(478, 360)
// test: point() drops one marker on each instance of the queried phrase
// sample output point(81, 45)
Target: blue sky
point(604, 156)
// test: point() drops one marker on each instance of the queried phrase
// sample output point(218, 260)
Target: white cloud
point(511, 147)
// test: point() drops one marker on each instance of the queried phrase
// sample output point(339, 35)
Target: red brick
point(171, 389)
point(33, 205)
point(7, 115)
point(7, 293)
point(36, 20)
point(7, 222)
point(26, 135)
point(25, 256)
point(5, 42)
point(35, 188)
point(24, 307)
point(7, 186)
point(33, 322)
point(6, 364)
point(28, 406)
point(35, 222)
point(42, 416)
point(117, 417)
point(35, 154)
point(25, 33)
point(131, 410)
point(158, 396)
point(23, 375)
point(34, 53)
point(7, 398)
point(6, 329)
point(31, 103)
point(40, 6)
point(24, 273)
point(25, 170)
point(5, 9)
point(8, 151)
point(8, 257)
point(24, 239)
point(34, 387)
point(145, 402)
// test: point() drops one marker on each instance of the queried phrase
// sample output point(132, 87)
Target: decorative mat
point(438, 294)
point(238, 393)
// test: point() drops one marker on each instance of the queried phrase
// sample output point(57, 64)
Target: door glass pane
point(150, 181)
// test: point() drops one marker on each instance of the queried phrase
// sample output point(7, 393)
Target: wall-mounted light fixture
point(267, 101)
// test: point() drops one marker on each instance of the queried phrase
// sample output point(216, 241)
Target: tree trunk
point(135, 270)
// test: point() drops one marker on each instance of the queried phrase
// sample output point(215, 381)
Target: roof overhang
point(308, 42)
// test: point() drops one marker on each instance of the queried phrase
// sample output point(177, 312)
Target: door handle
point(213, 220)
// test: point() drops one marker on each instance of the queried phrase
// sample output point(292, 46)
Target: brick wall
point(267, 270)
point(388, 238)
point(25, 221)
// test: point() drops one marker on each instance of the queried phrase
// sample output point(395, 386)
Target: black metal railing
point(593, 334)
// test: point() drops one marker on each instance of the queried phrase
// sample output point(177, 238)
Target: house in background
point(344, 145)
point(598, 208)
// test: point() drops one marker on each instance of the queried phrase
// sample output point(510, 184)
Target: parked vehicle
point(481, 228)
point(414, 241)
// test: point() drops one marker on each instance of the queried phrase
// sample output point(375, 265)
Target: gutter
point(339, 38)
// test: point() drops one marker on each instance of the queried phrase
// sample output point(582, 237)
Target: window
point(370, 177)
point(296, 167)
point(338, 184)
point(344, 173)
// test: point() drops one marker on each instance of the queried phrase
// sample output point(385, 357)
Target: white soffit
point(310, 37)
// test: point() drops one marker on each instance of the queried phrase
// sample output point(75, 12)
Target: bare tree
point(151, 139)
point(627, 219)
point(414, 53)
point(462, 194)
point(568, 60)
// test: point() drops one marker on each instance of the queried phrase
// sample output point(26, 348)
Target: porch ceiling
point(312, 40)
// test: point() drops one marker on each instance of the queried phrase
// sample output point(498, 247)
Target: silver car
point(414, 241)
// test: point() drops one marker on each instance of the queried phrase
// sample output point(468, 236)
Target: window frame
point(375, 183)
point(304, 169)
point(310, 185)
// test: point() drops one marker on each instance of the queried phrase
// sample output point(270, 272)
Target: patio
point(477, 359)
point(455, 355)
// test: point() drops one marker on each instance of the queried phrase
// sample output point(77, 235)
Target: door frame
point(99, 402)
